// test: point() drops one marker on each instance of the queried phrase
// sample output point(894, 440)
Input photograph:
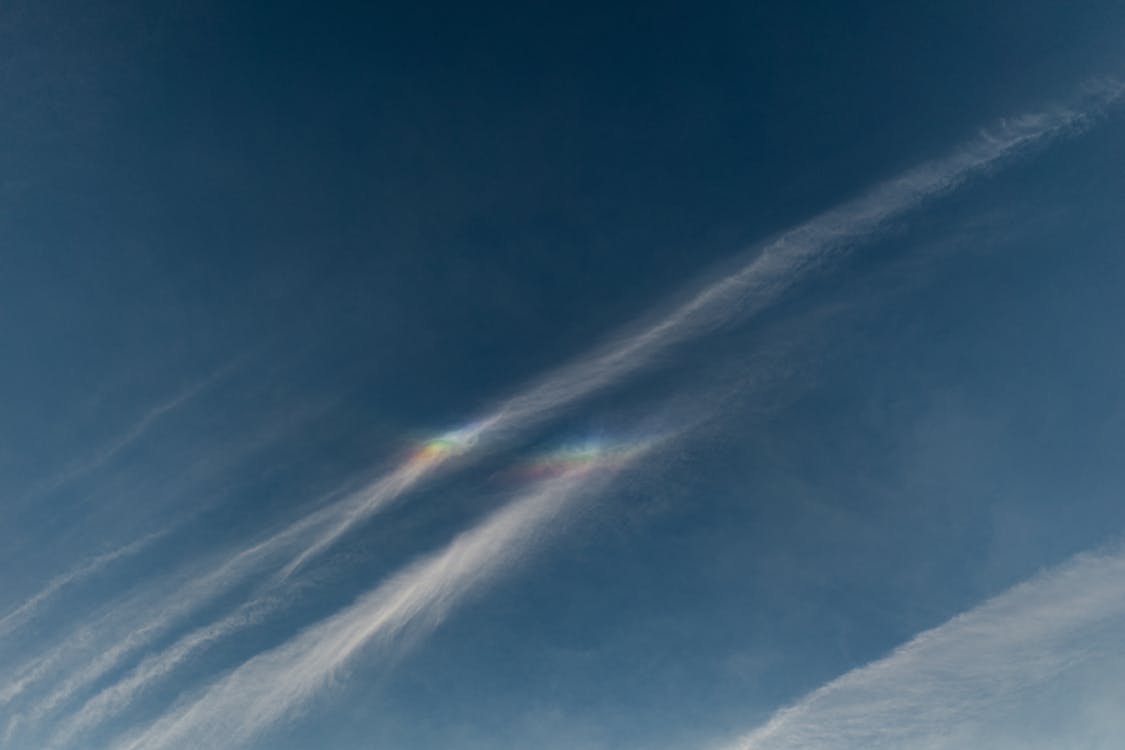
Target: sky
point(659, 376)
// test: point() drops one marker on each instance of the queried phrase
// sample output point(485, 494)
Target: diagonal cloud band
point(265, 689)
point(962, 672)
point(773, 268)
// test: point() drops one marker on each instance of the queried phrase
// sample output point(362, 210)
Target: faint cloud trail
point(30, 608)
point(84, 466)
point(960, 673)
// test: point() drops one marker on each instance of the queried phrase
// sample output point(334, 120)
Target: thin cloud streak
point(959, 674)
point(120, 695)
point(774, 267)
point(788, 258)
point(131, 623)
point(82, 467)
point(364, 504)
point(27, 611)
point(268, 687)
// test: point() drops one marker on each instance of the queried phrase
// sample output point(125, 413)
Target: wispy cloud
point(120, 695)
point(103, 641)
point(27, 611)
point(770, 270)
point(268, 687)
point(964, 679)
point(86, 465)
point(133, 624)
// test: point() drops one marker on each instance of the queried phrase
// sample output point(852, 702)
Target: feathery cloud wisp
point(110, 450)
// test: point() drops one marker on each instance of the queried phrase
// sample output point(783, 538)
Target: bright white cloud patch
point(1037, 667)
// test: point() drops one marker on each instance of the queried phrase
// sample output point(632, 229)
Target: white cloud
point(268, 687)
point(770, 270)
point(129, 626)
point(120, 695)
point(31, 607)
point(111, 449)
point(1035, 667)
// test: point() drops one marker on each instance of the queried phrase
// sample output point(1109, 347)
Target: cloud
point(972, 681)
point(120, 695)
point(592, 454)
point(770, 270)
point(268, 687)
point(27, 611)
point(143, 618)
point(79, 468)
point(105, 639)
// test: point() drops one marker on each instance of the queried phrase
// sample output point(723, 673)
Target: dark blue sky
point(632, 372)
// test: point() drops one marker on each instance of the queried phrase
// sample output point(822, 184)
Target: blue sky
point(550, 376)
